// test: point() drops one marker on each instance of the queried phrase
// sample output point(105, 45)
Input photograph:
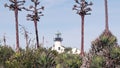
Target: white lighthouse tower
point(58, 43)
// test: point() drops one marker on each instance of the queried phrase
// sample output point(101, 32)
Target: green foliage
point(105, 40)
point(68, 49)
point(5, 53)
point(32, 58)
point(47, 59)
point(115, 55)
point(69, 60)
point(37, 58)
point(97, 62)
point(108, 39)
point(105, 52)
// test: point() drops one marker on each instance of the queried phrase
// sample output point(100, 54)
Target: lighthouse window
point(58, 48)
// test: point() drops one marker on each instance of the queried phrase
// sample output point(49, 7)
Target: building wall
point(75, 51)
point(58, 47)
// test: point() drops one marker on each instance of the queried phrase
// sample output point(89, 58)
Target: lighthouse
point(58, 43)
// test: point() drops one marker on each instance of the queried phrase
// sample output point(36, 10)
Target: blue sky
point(59, 16)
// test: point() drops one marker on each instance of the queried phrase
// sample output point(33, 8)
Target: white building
point(75, 51)
point(58, 44)
point(59, 48)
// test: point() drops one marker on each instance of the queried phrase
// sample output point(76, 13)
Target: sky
point(59, 16)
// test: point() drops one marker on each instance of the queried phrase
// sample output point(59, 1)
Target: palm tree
point(15, 6)
point(37, 13)
point(82, 9)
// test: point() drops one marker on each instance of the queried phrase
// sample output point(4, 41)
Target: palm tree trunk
point(106, 16)
point(16, 24)
point(82, 35)
point(36, 32)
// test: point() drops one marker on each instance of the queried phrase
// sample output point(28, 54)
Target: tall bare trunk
point(26, 37)
point(82, 36)
point(16, 25)
point(36, 32)
point(106, 16)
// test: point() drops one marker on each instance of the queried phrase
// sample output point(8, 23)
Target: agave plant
point(35, 16)
point(82, 8)
point(16, 6)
